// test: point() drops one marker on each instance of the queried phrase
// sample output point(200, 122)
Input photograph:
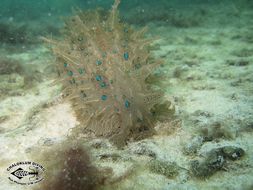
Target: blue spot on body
point(126, 56)
point(70, 73)
point(65, 65)
point(103, 97)
point(102, 84)
point(127, 104)
point(98, 62)
point(98, 78)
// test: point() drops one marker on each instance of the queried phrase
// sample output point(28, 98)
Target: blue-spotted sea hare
point(103, 66)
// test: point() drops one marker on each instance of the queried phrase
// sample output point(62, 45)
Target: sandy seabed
point(209, 71)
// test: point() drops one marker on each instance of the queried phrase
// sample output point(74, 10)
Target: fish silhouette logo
point(19, 173)
point(26, 173)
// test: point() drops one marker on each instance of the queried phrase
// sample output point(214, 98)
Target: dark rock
point(208, 167)
point(232, 152)
point(215, 160)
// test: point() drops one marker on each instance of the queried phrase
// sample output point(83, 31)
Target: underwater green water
point(24, 20)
